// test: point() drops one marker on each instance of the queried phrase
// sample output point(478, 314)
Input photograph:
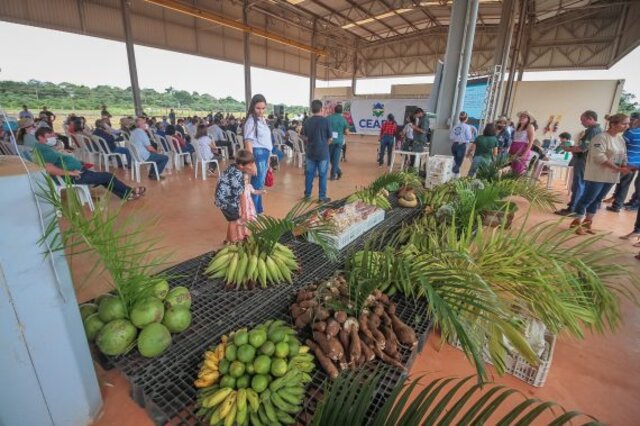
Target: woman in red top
point(387, 135)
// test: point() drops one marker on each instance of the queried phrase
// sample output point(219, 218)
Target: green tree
point(628, 103)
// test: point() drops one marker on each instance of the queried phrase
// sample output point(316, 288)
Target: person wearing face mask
point(26, 133)
point(606, 162)
point(63, 165)
point(142, 144)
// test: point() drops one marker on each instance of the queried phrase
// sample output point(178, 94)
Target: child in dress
point(247, 208)
point(230, 194)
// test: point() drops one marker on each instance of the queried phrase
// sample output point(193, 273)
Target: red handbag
point(268, 180)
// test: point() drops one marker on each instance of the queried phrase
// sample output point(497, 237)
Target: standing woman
point(257, 139)
point(523, 138)
point(605, 162)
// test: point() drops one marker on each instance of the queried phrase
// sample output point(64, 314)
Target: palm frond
point(123, 248)
point(442, 401)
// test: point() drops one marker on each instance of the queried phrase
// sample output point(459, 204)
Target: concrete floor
point(597, 376)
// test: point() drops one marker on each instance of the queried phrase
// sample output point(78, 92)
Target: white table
point(556, 161)
point(420, 157)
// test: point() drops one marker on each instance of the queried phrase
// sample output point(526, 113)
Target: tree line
point(69, 96)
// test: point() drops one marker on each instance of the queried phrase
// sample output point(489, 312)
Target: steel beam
point(472, 15)
point(247, 56)
point(131, 57)
point(313, 64)
point(503, 45)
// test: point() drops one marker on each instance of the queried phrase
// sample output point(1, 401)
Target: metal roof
point(389, 37)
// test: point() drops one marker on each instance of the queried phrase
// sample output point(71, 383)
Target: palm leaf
point(442, 401)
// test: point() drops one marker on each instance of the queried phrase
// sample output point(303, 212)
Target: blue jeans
point(577, 186)
point(458, 150)
point(313, 166)
point(592, 196)
point(335, 151)
point(160, 160)
point(262, 165)
point(386, 143)
point(125, 151)
point(478, 161)
point(105, 179)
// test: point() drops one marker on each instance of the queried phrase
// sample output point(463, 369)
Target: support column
point(472, 15)
point(247, 57)
point(446, 98)
point(503, 46)
point(531, 19)
point(354, 75)
point(131, 57)
point(313, 65)
point(515, 58)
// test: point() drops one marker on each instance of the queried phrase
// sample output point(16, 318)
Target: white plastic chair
point(106, 154)
point(298, 151)
point(233, 138)
point(202, 162)
point(180, 158)
point(165, 149)
point(137, 162)
point(88, 152)
point(83, 192)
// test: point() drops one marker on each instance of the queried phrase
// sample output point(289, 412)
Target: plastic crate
point(517, 366)
point(439, 170)
point(354, 231)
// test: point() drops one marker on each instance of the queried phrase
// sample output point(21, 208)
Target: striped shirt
point(388, 128)
point(632, 140)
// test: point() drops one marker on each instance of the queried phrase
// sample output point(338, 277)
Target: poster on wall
point(474, 100)
point(329, 105)
point(369, 114)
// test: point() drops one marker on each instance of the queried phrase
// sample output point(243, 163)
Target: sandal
point(133, 196)
point(140, 190)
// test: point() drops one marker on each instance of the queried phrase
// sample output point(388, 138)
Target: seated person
point(565, 141)
point(184, 145)
point(217, 134)
point(102, 131)
point(206, 147)
point(60, 164)
point(141, 143)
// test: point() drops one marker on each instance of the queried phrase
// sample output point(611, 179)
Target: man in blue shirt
point(141, 143)
point(317, 132)
point(632, 140)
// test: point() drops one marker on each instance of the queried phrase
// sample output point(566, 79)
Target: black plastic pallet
point(164, 385)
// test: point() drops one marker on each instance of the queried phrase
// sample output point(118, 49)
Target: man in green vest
point(339, 128)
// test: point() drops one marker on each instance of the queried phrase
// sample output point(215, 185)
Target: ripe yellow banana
point(228, 404)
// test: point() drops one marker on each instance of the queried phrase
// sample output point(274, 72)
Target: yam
point(391, 309)
point(391, 347)
point(386, 358)
point(324, 361)
point(333, 327)
point(307, 303)
point(304, 319)
point(343, 335)
point(330, 346)
point(367, 352)
point(355, 348)
point(364, 327)
point(296, 310)
point(340, 316)
point(320, 326)
point(405, 334)
point(378, 309)
point(304, 295)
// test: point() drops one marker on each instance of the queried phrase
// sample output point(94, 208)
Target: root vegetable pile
point(339, 340)
point(244, 265)
point(254, 377)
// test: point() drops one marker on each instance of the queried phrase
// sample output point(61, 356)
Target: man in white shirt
point(460, 136)
point(218, 136)
point(141, 143)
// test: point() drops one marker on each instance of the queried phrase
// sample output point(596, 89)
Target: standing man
point(25, 113)
point(460, 136)
point(589, 120)
point(172, 117)
point(632, 141)
point(339, 128)
point(317, 132)
point(141, 143)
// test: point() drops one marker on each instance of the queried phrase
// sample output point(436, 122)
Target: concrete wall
point(568, 99)
point(543, 99)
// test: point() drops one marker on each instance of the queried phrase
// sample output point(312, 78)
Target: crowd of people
point(600, 158)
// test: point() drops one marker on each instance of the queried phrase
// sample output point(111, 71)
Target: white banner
point(369, 114)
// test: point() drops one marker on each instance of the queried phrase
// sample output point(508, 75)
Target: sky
point(105, 62)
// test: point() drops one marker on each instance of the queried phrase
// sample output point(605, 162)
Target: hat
point(528, 114)
point(25, 122)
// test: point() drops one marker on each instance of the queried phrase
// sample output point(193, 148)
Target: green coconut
point(177, 319)
point(178, 296)
point(153, 340)
point(111, 308)
point(87, 309)
point(116, 337)
point(160, 289)
point(92, 326)
point(147, 311)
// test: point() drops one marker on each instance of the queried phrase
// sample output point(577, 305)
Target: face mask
point(52, 141)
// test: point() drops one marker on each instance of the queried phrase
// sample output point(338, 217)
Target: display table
point(555, 161)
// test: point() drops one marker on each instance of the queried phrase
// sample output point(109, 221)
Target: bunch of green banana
point(228, 407)
point(283, 400)
point(244, 263)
